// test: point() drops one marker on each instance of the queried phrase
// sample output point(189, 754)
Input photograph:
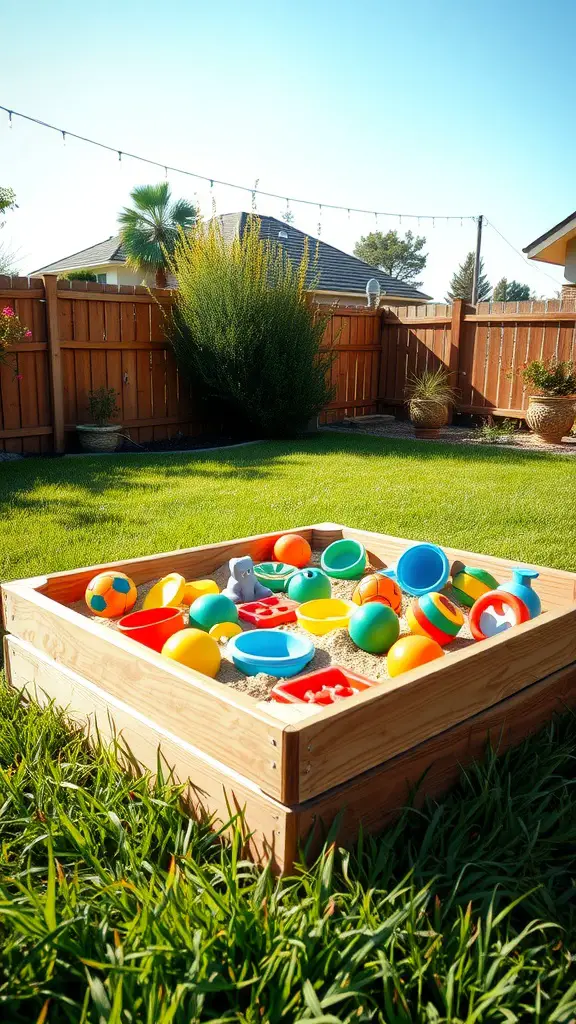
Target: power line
point(528, 263)
point(228, 184)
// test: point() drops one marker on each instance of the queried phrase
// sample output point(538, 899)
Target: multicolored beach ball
point(434, 616)
point(470, 583)
point(377, 587)
point(110, 594)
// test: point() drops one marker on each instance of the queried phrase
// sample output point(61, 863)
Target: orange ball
point(377, 587)
point(110, 594)
point(292, 549)
point(411, 652)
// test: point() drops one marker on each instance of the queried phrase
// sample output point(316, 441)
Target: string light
point(228, 184)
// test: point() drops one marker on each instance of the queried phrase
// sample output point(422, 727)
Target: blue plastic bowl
point(270, 651)
point(421, 569)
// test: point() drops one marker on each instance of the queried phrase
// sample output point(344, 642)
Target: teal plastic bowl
point(344, 559)
point(274, 575)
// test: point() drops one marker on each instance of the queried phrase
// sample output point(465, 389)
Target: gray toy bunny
point(243, 585)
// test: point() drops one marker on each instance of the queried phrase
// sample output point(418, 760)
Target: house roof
point(109, 251)
point(551, 246)
point(336, 270)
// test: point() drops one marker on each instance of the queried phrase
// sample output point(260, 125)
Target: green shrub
point(78, 275)
point(102, 405)
point(551, 378)
point(244, 333)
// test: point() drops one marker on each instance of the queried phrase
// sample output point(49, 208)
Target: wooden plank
point(375, 798)
point(213, 717)
point(33, 293)
point(534, 317)
point(400, 713)
point(212, 788)
point(26, 432)
point(53, 325)
point(83, 384)
point(130, 299)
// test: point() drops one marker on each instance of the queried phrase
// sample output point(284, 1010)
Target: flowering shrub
point(12, 331)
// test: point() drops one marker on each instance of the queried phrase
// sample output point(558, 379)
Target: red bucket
point(152, 627)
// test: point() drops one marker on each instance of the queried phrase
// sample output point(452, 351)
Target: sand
point(333, 648)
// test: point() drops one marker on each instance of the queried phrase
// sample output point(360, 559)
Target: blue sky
point(428, 107)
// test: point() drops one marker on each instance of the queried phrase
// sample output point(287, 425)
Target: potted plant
point(429, 399)
point(552, 407)
point(100, 436)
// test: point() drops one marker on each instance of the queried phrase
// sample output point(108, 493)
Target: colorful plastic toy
point(320, 617)
point(433, 615)
point(325, 686)
point(274, 575)
point(272, 651)
point(195, 649)
point(167, 593)
point(309, 585)
point(378, 587)
point(411, 652)
point(211, 609)
point(198, 588)
point(470, 583)
point(270, 612)
point(293, 549)
point(421, 569)
point(110, 594)
point(153, 626)
point(521, 586)
point(224, 631)
point(374, 627)
point(243, 585)
point(495, 612)
point(344, 559)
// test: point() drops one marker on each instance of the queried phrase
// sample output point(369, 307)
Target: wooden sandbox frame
point(290, 770)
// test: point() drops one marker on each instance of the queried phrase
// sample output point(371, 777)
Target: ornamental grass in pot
point(101, 435)
point(552, 399)
point(430, 397)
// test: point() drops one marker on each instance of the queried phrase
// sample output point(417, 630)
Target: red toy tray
point(269, 612)
point(326, 685)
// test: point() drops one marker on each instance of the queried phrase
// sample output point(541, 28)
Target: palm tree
point(150, 228)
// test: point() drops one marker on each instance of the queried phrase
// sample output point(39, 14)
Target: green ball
point(211, 609)
point(374, 627)
point(309, 585)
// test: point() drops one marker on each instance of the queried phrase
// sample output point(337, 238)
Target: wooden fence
point(483, 348)
point(86, 335)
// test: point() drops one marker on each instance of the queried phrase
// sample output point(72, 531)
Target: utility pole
point(477, 260)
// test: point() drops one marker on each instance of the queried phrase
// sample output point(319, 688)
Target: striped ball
point(434, 616)
point(471, 583)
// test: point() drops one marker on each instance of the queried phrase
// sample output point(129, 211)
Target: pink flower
point(19, 376)
point(27, 334)
point(8, 311)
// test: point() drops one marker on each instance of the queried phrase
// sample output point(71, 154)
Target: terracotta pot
point(99, 439)
point(428, 416)
point(551, 417)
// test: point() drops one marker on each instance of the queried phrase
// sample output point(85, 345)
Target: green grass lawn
point(115, 907)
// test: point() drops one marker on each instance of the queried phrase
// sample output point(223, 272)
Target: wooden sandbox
point(291, 769)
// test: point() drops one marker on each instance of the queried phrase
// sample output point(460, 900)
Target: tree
point(402, 258)
point(7, 202)
point(151, 227)
point(511, 291)
point(463, 279)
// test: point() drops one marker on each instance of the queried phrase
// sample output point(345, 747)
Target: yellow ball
point(195, 649)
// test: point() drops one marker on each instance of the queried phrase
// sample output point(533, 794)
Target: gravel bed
point(520, 441)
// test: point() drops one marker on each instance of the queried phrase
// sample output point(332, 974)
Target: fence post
point(54, 360)
point(458, 310)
